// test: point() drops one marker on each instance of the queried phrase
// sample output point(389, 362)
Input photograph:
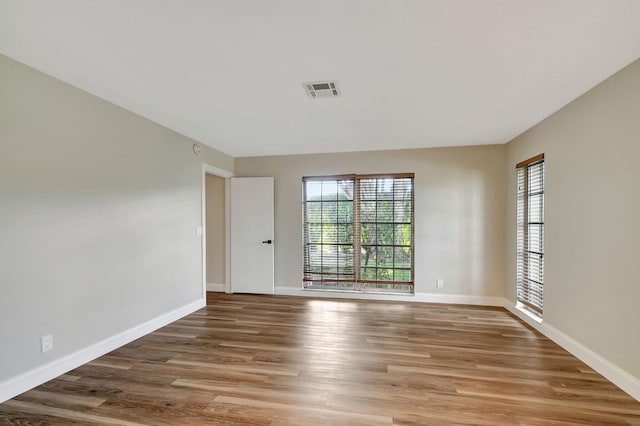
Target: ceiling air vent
point(322, 89)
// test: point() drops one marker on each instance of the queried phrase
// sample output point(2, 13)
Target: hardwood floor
point(275, 360)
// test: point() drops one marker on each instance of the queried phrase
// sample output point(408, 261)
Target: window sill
point(385, 293)
point(522, 308)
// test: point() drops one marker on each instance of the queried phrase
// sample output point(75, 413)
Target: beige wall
point(592, 283)
point(460, 211)
point(216, 254)
point(98, 216)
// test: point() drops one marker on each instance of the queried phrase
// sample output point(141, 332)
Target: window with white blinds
point(530, 234)
point(358, 232)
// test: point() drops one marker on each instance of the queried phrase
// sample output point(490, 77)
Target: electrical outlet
point(47, 342)
point(439, 283)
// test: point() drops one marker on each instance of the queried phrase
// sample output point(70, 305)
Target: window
point(358, 232)
point(530, 234)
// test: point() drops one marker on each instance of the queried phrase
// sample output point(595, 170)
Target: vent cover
point(322, 89)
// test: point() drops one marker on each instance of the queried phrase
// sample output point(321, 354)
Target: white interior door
point(251, 208)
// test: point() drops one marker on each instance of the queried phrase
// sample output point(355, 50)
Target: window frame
point(358, 283)
point(530, 216)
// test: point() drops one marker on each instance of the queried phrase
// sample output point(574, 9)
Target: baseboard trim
point(615, 374)
point(216, 287)
point(418, 297)
point(23, 382)
point(458, 299)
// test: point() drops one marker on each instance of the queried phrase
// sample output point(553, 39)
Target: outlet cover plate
point(47, 342)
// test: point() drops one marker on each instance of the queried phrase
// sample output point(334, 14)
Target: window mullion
point(322, 242)
point(356, 233)
point(393, 231)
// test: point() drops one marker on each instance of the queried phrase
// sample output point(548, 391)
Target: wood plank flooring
point(275, 360)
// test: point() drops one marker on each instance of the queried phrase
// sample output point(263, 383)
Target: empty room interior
point(350, 212)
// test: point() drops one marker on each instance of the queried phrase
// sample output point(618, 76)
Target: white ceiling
point(413, 73)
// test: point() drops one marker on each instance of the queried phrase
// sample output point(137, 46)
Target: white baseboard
point(615, 374)
point(22, 383)
point(216, 287)
point(459, 299)
point(418, 297)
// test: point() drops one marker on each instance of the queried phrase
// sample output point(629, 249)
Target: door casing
point(207, 168)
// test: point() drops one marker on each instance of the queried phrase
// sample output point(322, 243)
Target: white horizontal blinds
point(385, 232)
point(530, 235)
point(328, 234)
point(358, 232)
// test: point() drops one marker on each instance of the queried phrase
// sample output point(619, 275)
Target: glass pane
point(345, 189)
point(345, 234)
point(314, 211)
point(329, 190)
point(330, 212)
point(536, 267)
point(402, 189)
point(345, 263)
point(315, 256)
point(384, 211)
point(402, 275)
point(384, 234)
point(330, 233)
point(402, 211)
point(368, 273)
point(402, 234)
point(367, 189)
point(400, 288)
point(345, 286)
point(367, 256)
point(402, 257)
point(536, 208)
point(368, 233)
point(314, 233)
point(367, 211)
point(536, 179)
point(384, 257)
point(313, 190)
point(536, 242)
point(385, 274)
point(384, 189)
point(345, 211)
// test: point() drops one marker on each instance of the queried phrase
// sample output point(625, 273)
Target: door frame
point(216, 171)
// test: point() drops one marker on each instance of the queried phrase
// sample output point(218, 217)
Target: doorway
point(215, 216)
point(216, 232)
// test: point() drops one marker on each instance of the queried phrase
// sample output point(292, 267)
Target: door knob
point(267, 242)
